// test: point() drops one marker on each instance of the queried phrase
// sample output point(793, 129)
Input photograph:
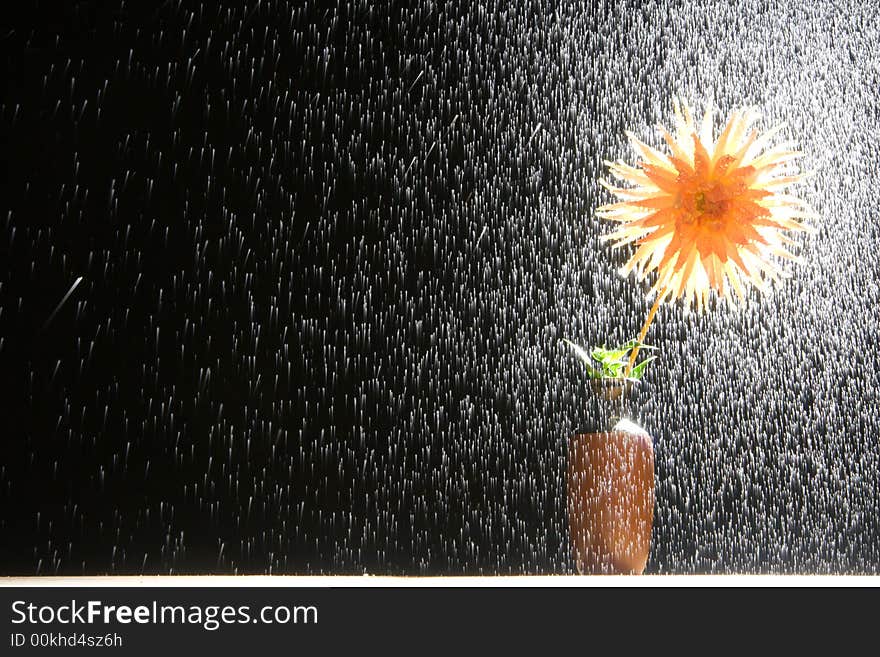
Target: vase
point(611, 484)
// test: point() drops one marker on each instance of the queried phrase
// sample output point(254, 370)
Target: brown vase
point(611, 486)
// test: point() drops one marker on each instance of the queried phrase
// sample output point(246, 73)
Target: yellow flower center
point(706, 207)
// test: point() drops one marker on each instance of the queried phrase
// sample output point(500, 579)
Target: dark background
point(328, 251)
point(514, 618)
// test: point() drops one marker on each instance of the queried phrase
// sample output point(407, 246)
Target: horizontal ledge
point(383, 581)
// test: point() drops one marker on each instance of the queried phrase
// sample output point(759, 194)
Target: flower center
point(713, 205)
point(707, 206)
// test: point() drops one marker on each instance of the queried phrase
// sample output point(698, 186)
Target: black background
point(246, 379)
point(328, 253)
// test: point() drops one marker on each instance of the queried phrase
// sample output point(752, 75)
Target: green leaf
point(579, 351)
point(617, 355)
point(639, 370)
point(593, 373)
point(599, 354)
point(604, 363)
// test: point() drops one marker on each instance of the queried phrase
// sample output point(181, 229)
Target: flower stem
point(644, 332)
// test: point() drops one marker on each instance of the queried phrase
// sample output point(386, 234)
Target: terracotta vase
point(611, 486)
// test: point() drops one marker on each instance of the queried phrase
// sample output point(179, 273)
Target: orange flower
point(706, 214)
